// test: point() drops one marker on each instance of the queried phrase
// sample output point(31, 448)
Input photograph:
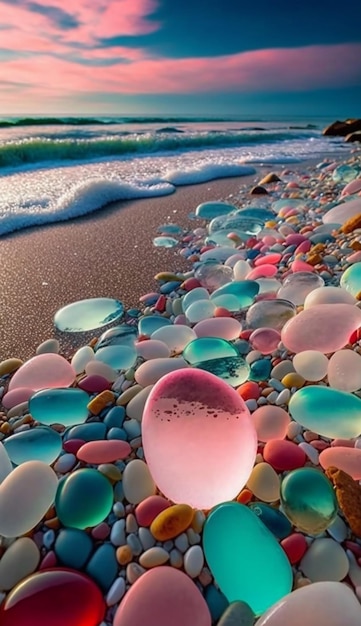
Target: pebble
point(153, 557)
point(138, 483)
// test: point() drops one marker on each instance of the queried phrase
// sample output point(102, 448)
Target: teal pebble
point(88, 314)
point(244, 290)
point(73, 547)
point(122, 335)
point(209, 210)
point(148, 324)
point(93, 431)
point(208, 348)
point(103, 566)
point(62, 406)
point(233, 370)
point(237, 614)
point(274, 519)
point(118, 357)
point(260, 370)
point(117, 433)
point(257, 212)
point(165, 242)
point(115, 417)
point(170, 286)
point(37, 444)
point(216, 601)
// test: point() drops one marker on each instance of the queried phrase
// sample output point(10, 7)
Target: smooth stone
point(329, 295)
point(210, 210)
point(87, 314)
point(103, 566)
point(122, 335)
point(324, 327)
point(270, 314)
point(20, 560)
point(244, 291)
point(282, 369)
point(43, 371)
point(147, 510)
point(84, 498)
point(50, 345)
point(148, 324)
point(73, 547)
point(65, 463)
point(91, 431)
point(342, 212)
point(352, 187)
point(25, 496)
point(283, 455)
point(296, 287)
point(117, 357)
point(171, 522)
point(344, 370)
point(153, 557)
point(165, 242)
point(9, 366)
point(344, 458)
point(226, 328)
point(249, 558)
point(175, 337)
point(216, 601)
point(152, 349)
point(62, 406)
point(16, 396)
point(98, 368)
point(76, 597)
point(325, 560)
point(233, 370)
point(271, 422)
point(295, 546)
point(213, 275)
point(193, 561)
point(201, 310)
point(196, 295)
point(311, 364)
point(116, 591)
point(327, 412)
point(308, 500)
point(260, 370)
point(264, 483)
point(136, 405)
point(138, 483)
point(37, 444)
point(151, 372)
point(237, 614)
point(94, 384)
point(95, 452)
point(200, 408)
point(330, 603)
point(274, 519)
point(208, 348)
point(6, 466)
point(160, 597)
point(81, 358)
point(351, 279)
point(265, 340)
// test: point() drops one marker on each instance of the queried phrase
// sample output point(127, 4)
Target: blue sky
point(209, 57)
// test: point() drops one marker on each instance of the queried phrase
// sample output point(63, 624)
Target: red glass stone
point(56, 597)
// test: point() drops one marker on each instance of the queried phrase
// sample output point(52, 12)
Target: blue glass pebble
point(73, 547)
point(117, 433)
point(148, 324)
point(37, 444)
point(274, 519)
point(170, 286)
point(260, 370)
point(124, 335)
point(117, 357)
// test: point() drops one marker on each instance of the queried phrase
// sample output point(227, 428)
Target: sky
point(190, 57)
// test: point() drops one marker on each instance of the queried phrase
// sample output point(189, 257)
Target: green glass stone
point(260, 370)
point(207, 348)
point(244, 290)
point(73, 547)
point(37, 444)
point(59, 406)
point(244, 556)
point(327, 411)
point(88, 314)
point(351, 279)
point(83, 499)
point(122, 335)
point(274, 519)
point(165, 242)
point(308, 499)
point(233, 370)
point(148, 324)
point(103, 566)
point(117, 357)
point(209, 210)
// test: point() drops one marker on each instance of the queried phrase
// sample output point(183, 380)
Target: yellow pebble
point(5, 428)
point(112, 472)
point(172, 522)
point(167, 276)
point(293, 380)
point(9, 365)
point(124, 555)
point(100, 401)
point(270, 224)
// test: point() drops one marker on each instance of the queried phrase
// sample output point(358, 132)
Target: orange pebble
point(100, 401)
point(220, 311)
point(245, 496)
point(249, 391)
point(124, 555)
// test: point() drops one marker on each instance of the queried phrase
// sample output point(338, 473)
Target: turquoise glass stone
point(103, 566)
point(170, 229)
point(244, 290)
point(344, 173)
point(274, 519)
point(91, 431)
point(327, 411)
point(308, 499)
point(220, 238)
point(233, 370)
point(260, 370)
point(83, 499)
point(148, 324)
point(118, 357)
point(165, 242)
point(37, 444)
point(123, 335)
point(351, 279)
point(258, 213)
point(209, 210)
point(244, 556)
point(206, 348)
point(248, 225)
point(73, 547)
point(195, 295)
point(227, 301)
point(59, 406)
point(88, 314)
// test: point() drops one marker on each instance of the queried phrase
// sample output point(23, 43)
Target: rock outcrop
point(342, 129)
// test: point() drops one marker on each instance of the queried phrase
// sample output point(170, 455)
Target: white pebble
point(283, 397)
point(181, 542)
point(116, 591)
point(253, 356)
point(293, 429)
point(310, 451)
point(194, 561)
point(138, 483)
point(193, 537)
point(153, 557)
point(81, 359)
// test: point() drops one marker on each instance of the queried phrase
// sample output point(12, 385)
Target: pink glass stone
point(262, 270)
point(301, 266)
point(16, 396)
point(353, 187)
point(199, 440)
point(94, 384)
point(43, 371)
point(344, 458)
point(55, 597)
point(269, 258)
point(340, 213)
point(148, 510)
point(271, 422)
point(324, 327)
point(265, 340)
point(161, 597)
point(107, 451)
point(226, 328)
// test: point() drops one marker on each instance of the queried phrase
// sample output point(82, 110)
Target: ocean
point(56, 169)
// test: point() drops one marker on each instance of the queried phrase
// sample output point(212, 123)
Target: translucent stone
point(213, 275)
point(20, 559)
point(175, 337)
point(276, 522)
point(236, 222)
point(297, 286)
point(259, 213)
point(352, 187)
point(62, 406)
point(311, 364)
point(223, 327)
point(148, 324)
point(249, 558)
point(325, 560)
point(329, 295)
point(265, 340)
point(42, 372)
point(264, 483)
point(201, 310)
point(210, 210)
point(308, 500)
point(244, 290)
point(271, 422)
point(270, 314)
point(241, 269)
point(287, 202)
point(330, 603)
point(38, 444)
point(206, 348)
point(5, 463)
point(328, 412)
point(153, 349)
point(54, 596)
point(195, 295)
point(342, 212)
point(84, 498)
point(344, 173)
point(344, 458)
point(351, 278)
point(122, 335)
point(344, 370)
point(165, 242)
point(81, 358)
point(118, 357)
point(220, 238)
point(169, 229)
point(25, 496)
point(227, 301)
point(190, 419)
point(160, 597)
point(324, 327)
point(88, 314)
point(219, 254)
point(150, 372)
point(233, 370)
point(268, 285)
